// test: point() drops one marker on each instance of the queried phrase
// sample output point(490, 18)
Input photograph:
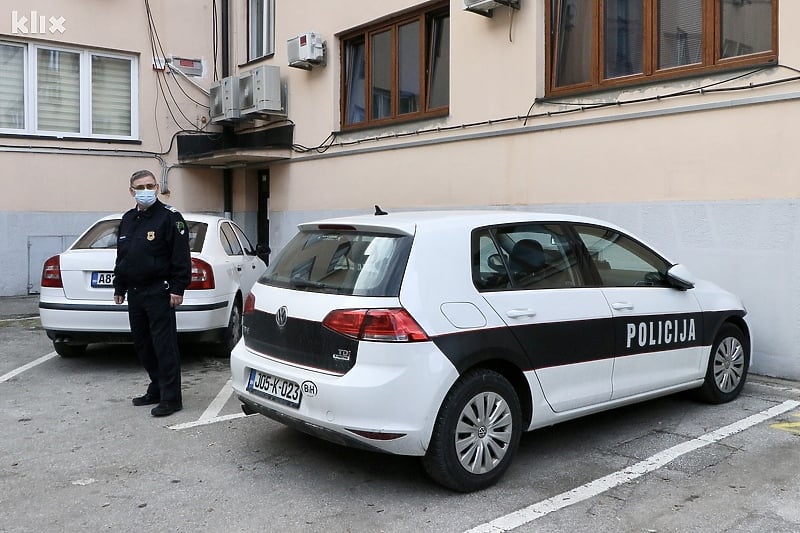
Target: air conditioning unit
point(484, 7)
point(306, 50)
point(224, 100)
point(260, 92)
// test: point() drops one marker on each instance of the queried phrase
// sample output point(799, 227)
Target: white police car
point(447, 334)
point(76, 302)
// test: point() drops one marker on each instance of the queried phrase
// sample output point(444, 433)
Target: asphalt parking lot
point(75, 455)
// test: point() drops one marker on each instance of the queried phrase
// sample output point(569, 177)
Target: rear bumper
point(87, 321)
point(89, 337)
point(393, 389)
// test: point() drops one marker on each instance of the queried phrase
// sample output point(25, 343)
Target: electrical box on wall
point(485, 7)
point(260, 92)
point(224, 99)
point(306, 51)
point(190, 67)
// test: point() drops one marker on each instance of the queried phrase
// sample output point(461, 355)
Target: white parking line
point(211, 414)
point(23, 368)
point(652, 463)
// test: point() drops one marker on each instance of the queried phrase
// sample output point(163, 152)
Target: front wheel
point(727, 365)
point(476, 433)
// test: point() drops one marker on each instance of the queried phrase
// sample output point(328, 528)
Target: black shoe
point(166, 408)
point(145, 400)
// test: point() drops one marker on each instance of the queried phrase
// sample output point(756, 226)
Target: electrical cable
point(158, 51)
point(583, 106)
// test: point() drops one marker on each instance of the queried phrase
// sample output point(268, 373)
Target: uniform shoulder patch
point(181, 227)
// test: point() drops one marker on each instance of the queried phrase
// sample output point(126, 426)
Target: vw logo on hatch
point(280, 316)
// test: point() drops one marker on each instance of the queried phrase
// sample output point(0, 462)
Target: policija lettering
point(655, 333)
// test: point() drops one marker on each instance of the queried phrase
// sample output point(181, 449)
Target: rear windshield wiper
point(306, 284)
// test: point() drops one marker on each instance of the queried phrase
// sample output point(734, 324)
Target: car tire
point(728, 365)
point(466, 453)
point(69, 350)
point(234, 330)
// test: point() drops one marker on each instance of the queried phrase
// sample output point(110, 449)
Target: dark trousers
point(155, 338)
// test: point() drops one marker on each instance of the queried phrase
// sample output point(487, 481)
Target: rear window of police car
point(341, 262)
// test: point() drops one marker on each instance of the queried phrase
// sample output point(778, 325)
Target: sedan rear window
point(103, 235)
point(341, 262)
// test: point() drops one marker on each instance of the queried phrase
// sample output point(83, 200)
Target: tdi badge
point(151, 235)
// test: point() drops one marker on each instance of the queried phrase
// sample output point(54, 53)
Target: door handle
point(239, 268)
point(622, 306)
point(520, 313)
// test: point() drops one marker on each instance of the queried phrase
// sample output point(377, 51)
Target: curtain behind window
point(262, 28)
point(58, 90)
point(111, 96)
point(12, 87)
point(439, 85)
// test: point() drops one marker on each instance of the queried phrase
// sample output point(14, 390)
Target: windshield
point(341, 262)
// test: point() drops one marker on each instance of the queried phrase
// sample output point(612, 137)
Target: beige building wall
point(61, 185)
point(708, 178)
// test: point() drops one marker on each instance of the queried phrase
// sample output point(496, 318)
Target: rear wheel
point(727, 365)
point(476, 434)
point(234, 331)
point(69, 350)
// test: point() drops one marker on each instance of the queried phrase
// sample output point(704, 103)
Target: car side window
point(525, 256)
point(621, 261)
point(229, 241)
point(249, 249)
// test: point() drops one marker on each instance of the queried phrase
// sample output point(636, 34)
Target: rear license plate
point(102, 279)
point(277, 389)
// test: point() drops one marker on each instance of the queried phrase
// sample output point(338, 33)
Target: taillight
point(202, 275)
point(249, 304)
point(386, 325)
point(51, 273)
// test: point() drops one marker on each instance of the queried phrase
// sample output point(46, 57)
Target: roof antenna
point(379, 211)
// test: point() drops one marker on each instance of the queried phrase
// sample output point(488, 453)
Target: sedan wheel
point(476, 433)
point(727, 366)
point(69, 350)
point(234, 331)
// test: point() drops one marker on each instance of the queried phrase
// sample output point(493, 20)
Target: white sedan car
point(447, 334)
point(76, 303)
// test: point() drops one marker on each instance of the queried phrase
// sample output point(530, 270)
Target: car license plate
point(102, 279)
point(276, 389)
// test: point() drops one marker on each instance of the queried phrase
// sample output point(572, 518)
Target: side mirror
point(263, 251)
point(680, 277)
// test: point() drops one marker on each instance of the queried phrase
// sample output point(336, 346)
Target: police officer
point(154, 268)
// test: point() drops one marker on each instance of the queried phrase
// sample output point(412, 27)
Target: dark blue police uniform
point(154, 260)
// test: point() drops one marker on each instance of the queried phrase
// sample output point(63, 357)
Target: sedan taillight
point(202, 275)
point(249, 304)
point(385, 325)
point(51, 273)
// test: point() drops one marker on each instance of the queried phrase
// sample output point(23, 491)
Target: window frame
point(711, 51)
point(85, 88)
point(425, 17)
point(267, 36)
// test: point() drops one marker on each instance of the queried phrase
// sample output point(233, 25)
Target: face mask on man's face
point(145, 198)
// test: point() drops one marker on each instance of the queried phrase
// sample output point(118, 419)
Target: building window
point(66, 92)
point(261, 28)
point(397, 70)
point(12, 87)
point(596, 44)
